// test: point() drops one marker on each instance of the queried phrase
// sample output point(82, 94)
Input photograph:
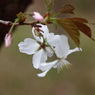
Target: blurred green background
point(18, 77)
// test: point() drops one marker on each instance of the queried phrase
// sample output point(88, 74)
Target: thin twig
point(6, 22)
point(17, 24)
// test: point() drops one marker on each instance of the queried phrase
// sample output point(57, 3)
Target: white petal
point(48, 65)
point(49, 52)
point(45, 67)
point(45, 30)
point(74, 50)
point(52, 39)
point(62, 47)
point(29, 46)
point(38, 58)
point(42, 74)
point(55, 66)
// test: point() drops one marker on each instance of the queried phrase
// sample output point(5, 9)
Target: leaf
point(20, 17)
point(53, 20)
point(71, 29)
point(66, 9)
point(80, 23)
point(78, 19)
point(48, 4)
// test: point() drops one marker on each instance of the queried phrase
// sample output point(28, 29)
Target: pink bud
point(38, 16)
point(8, 39)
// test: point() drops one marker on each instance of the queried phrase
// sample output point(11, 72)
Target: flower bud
point(8, 39)
point(38, 16)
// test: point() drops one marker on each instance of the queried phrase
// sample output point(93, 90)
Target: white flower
point(39, 47)
point(62, 50)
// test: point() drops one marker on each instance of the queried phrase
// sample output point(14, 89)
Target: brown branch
point(17, 24)
point(6, 22)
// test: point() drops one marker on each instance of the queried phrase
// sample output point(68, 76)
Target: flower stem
point(10, 31)
point(49, 45)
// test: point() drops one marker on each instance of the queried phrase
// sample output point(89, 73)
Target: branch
point(6, 22)
point(17, 24)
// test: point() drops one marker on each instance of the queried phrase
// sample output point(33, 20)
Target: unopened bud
point(8, 39)
point(38, 16)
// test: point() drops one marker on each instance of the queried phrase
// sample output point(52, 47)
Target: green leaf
point(20, 17)
point(67, 8)
point(80, 23)
point(71, 29)
point(48, 4)
point(53, 20)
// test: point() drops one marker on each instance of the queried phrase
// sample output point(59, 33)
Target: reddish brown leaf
point(84, 28)
point(67, 9)
point(77, 19)
point(71, 29)
point(79, 22)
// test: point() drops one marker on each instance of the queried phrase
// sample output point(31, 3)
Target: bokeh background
point(18, 77)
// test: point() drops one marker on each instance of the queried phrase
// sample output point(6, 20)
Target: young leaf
point(48, 4)
point(71, 29)
point(80, 23)
point(78, 19)
point(20, 17)
point(66, 9)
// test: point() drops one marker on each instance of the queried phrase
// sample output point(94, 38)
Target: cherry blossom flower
point(8, 39)
point(38, 16)
point(62, 50)
point(39, 47)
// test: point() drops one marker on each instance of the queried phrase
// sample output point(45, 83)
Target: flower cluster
point(45, 45)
